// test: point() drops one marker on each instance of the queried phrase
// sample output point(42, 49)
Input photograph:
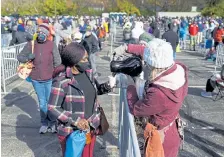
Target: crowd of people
point(64, 74)
point(204, 32)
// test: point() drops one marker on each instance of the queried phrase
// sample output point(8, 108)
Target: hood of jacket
point(172, 81)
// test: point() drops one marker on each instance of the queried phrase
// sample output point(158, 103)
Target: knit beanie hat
point(44, 28)
point(145, 38)
point(158, 54)
point(20, 28)
point(72, 54)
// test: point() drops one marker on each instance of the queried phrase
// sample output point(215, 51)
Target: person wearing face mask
point(73, 99)
point(45, 58)
point(162, 97)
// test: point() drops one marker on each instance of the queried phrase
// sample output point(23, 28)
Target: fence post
point(3, 73)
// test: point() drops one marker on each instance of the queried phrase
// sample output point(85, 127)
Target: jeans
point(183, 42)
point(193, 41)
point(174, 55)
point(43, 90)
point(199, 37)
point(92, 59)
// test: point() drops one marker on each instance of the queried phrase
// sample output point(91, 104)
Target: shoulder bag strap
point(32, 44)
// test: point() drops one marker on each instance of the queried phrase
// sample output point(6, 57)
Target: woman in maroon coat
point(163, 94)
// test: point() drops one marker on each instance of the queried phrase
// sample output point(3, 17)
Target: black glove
point(31, 56)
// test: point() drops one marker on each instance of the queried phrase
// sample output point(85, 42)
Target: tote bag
point(75, 144)
point(25, 69)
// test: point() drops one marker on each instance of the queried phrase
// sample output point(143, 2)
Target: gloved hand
point(31, 56)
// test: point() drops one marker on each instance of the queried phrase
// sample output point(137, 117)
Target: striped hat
point(44, 27)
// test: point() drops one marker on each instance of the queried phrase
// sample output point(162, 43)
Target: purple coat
point(161, 104)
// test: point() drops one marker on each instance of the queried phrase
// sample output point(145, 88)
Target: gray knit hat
point(44, 28)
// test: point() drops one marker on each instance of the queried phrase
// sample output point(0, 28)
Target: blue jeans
point(174, 55)
point(43, 90)
point(92, 59)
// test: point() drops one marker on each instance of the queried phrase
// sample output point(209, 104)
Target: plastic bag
point(75, 144)
point(140, 85)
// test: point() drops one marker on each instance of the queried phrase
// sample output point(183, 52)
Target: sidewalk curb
point(3, 106)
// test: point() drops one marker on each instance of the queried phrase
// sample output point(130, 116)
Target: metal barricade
point(219, 56)
point(128, 143)
point(9, 64)
point(6, 39)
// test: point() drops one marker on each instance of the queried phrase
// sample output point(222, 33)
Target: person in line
point(219, 35)
point(45, 58)
point(163, 96)
point(21, 36)
point(91, 48)
point(171, 37)
point(193, 31)
point(155, 30)
point(73, 99)
point(212, 83)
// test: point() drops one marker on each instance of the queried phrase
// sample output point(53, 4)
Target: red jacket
point(161, 104)
point(193, 29)
point(219, 34)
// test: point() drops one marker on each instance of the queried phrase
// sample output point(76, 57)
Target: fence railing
point(9, 64)
point(128, 143)
point(6, 39)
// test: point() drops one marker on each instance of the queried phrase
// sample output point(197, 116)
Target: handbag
point(24, 69)
point(104, 125)
point(75, 144)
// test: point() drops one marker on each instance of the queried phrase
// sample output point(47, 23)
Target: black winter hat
point(72, 54)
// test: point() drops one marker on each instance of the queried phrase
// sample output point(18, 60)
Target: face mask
point(41, 37)
point(82, 67)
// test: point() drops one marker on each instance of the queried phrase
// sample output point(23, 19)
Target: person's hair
point(69, 54)
point(155, 72)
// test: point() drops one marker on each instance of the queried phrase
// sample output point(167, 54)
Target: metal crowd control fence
point(9, 64)
point(219, 56)
point(128, 143)
point(6, 39)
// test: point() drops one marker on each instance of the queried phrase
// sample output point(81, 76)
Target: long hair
point(155, 72)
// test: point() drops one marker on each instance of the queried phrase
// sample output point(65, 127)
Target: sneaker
point(206, 94)
point(43, 129)
point(52, 129)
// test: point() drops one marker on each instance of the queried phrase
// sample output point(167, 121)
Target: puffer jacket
point(161, 103)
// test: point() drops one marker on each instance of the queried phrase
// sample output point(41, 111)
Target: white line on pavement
point(196, 86)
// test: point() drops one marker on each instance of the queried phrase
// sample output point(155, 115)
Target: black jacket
point(21, 37)
point(92, 44)
point(171, 37)
point(155, 30)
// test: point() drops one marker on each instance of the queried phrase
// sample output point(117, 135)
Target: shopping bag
point(24, 69)
point(75, 144)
